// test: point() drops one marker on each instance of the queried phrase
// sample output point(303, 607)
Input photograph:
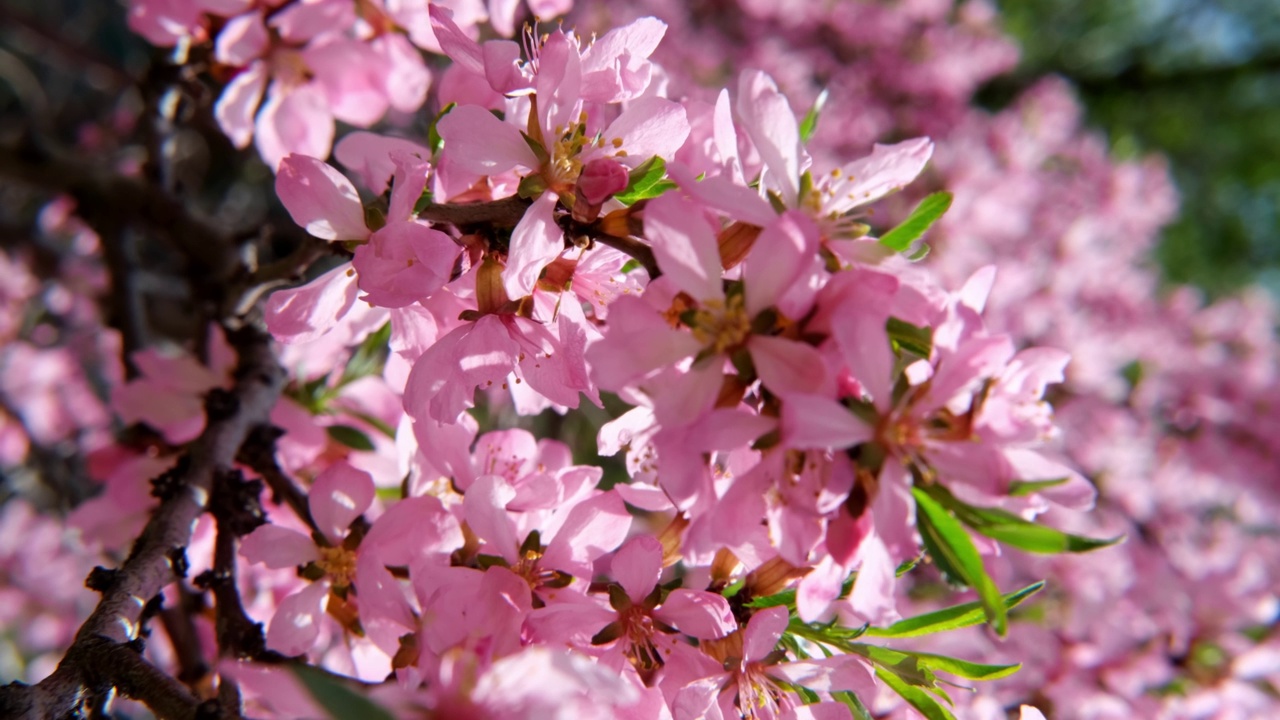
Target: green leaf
point(369, 357)
point(810, 122)
point(953, 551)
point(1011, 529)
point(647, 180)
point(922, 701)
point(964, 668)
point(1021, 488)
point(338, 700)
point(852, 702)
point(904, 666)
point(349, 436)
point(434, 141)
point(926, 214)
point(914, 339)
point(952, 618)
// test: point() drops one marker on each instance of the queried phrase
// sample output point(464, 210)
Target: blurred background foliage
point(1198, 80)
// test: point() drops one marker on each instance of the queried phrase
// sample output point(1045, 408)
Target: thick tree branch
point(150, 566)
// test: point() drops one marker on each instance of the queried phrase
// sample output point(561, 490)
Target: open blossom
point(338, 496)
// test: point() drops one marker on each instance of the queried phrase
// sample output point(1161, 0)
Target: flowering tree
point(349, 486)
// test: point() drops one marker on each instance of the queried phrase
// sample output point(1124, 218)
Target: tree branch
point(150, 566)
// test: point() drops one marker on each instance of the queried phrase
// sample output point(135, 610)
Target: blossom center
point(721, 325)
point(339, 564)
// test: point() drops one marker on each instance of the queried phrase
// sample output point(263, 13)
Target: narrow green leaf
point(951, 618)
point(905, 666)
point(1011, 529)
point(647, 180)
point(810, 122)
point(852, 702)
point(946, 536)
point(919, 699)
point(966, 669)
point(1021, 488)
point(926, 214)
point(349, 436)
point(338, 700)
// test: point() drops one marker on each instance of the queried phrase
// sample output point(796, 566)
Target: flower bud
point(601, 179)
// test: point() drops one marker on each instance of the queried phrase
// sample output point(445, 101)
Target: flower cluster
point(795, 406)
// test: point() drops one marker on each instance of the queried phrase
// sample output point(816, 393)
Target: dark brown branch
point(259, 454)
point(101, 195)
point(150, 565)
point(506, 213)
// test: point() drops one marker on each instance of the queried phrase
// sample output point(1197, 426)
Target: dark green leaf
point(369, 357)
point(926, 214)
point(810, 122)
point(647, 180)
point(351, 437)
point(338, 700)
point(951, 618)
point(947, 538)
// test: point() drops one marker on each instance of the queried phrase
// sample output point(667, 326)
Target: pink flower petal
point(320, 199)
point(685, 246)
point(304, 314)
point(637, 566)
point(886, 169)
point(779, 256)
point(786, 366)
point(535, 242)
point(703, 615)
point(813, 422)
point(763, 631)
point(767, 117)
point(242, 40)
point(338, 496)
point(278, 547)
point(293, 121)
point(238, 103)
point(296, 624)
point(649, 126)
point(485, 508)
point(480, 143)
point(369, 156)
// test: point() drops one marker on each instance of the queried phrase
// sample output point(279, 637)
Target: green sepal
point(810, 122)
point(434, 141)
